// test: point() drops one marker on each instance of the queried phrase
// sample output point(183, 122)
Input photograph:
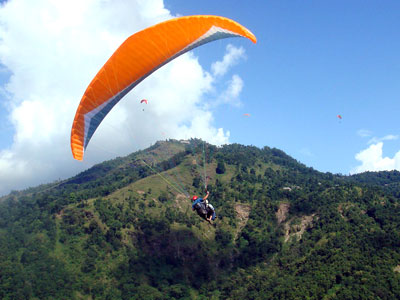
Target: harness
point(201, 208)
point(204, 210)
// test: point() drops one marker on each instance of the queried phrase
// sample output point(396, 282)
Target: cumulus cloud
point(232, 57)
point(231, 94)
point(52, 49)
point(372, 159)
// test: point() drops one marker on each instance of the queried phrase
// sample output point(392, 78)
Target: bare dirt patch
point(297, 230)
point(181, 201)
point(242, 212)
point(60, 214)
point(282, 213)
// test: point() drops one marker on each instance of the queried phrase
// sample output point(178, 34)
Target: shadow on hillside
point(166, 256)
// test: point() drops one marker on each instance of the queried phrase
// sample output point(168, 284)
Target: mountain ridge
point(124, 229)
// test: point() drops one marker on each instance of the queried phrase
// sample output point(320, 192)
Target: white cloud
point(54, 48)
point(372, 160)
point(364, 133)
point(232, 92)
point(389, 137)
point(231, 58)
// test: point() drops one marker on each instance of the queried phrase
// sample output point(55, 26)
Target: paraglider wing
point(339, 116)
point(139, 56)
point(143, 101)
point(246, 115)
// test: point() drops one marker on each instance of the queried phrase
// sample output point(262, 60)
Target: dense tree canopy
point(284, 231)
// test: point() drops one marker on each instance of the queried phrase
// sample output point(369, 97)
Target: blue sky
point(313, 60)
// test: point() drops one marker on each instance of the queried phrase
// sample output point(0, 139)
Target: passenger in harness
point(203, 208)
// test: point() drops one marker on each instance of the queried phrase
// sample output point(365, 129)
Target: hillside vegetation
point(124, 229)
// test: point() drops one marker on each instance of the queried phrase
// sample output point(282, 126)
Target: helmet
point(194, 198)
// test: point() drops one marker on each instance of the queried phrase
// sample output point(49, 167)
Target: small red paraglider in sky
point(339, 116)
point(143, 101)
point(246, 115)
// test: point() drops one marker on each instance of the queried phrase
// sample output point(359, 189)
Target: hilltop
point(124, 229)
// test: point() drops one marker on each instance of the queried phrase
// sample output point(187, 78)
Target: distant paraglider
point(246, 115)
point(139, 56)
point(339, 117)
point(143, 101)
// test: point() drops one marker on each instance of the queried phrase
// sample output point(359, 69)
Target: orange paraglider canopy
point(139, 56)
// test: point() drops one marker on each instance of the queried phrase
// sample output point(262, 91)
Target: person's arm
point(206, 196)
point(211, 217)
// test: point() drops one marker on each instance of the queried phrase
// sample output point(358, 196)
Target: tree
point(196, 182)
point(220, 167)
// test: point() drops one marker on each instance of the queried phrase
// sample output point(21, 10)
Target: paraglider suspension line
point(204, 165)
point(165, 179)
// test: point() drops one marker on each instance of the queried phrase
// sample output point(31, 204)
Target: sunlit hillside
point(124, 229)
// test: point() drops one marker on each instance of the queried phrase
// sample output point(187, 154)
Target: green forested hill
point(284, 231)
